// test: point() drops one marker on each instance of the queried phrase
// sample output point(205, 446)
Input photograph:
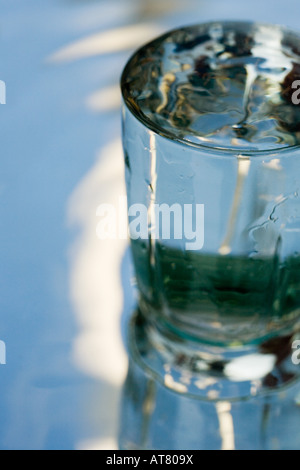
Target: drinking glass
point(211, 134)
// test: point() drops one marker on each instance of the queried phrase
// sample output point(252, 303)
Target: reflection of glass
point(209, 121)
point(154, 417)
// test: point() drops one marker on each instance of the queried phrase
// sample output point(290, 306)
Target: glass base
point(172, 402)
point(212, 372)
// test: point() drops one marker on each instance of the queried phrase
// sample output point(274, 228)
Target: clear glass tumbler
point(211, 134)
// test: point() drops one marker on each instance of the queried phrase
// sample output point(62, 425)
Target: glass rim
point(136, 111)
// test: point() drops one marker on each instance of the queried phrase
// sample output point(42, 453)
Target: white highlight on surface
point(97, 444)
point(251, 367)
point(176, 386)
point(264, 35)
point(226, 425)
point(274, 164)
point(153, 176)
point(243, 171)
point(107, 99)
point(96, 290)
point(106, 42)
